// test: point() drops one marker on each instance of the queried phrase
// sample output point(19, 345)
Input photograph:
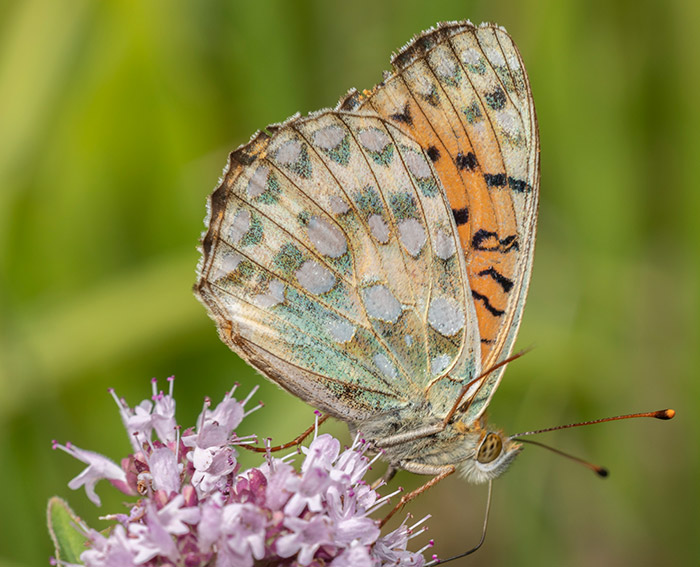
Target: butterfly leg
point(440, 472)
point(297, 441)
point(407, 436)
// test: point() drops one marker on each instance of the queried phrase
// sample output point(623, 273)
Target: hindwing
point(377, 256)
point(332, 248)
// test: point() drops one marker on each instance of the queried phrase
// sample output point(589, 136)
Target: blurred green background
point(116, 119)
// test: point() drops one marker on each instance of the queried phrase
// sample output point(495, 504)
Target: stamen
point(246, 440)
point(419, 522)
point(250, 395)
point(177, 441)
point(383, 500)
point(115, 397)
point(355, 442)
point(253, 409)
point(289, 458)
point(318, 415)
point(426, 547)
point(171, 379)
point(375, 458)
point(229, 394)
point(205, 406)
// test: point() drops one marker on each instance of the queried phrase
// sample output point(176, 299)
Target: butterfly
point(374, 259)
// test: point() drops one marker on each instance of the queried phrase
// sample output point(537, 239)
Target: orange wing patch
point(462, 94)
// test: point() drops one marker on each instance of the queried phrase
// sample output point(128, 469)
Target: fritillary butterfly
point(374, 259)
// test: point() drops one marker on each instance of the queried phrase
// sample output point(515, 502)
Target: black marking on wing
point(480, 241)
point(404, 116)
point(495, 179)
point(461, 216)
point(519, 185)
point(499, 278)
point(433, 153)
point(496, 99)
point(467, 162)
point(485, 300)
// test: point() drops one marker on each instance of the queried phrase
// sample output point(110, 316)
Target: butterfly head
point(494, 454)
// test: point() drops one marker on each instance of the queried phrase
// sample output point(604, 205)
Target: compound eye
point(490, 448)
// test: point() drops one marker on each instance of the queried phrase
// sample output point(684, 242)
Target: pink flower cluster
point(197, 508)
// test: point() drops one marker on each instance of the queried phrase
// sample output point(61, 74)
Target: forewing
point(462, 93)
point(330, 264)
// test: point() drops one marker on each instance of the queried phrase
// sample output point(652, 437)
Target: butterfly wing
point(462, 93)
point(330, 265)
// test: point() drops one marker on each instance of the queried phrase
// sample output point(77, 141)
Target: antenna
point(600, 471)
point(660, 414)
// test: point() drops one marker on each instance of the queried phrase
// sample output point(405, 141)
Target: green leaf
point(68, 539)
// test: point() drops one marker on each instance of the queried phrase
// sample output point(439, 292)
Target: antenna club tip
point(665, 414)
point(602, 472)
